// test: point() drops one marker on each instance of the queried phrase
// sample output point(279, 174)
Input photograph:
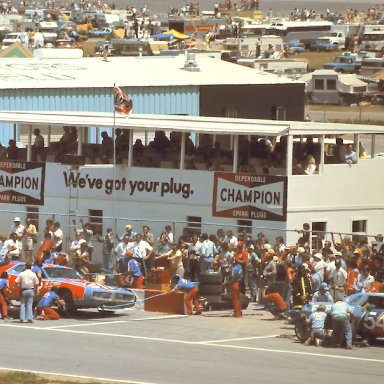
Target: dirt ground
point(11, 377)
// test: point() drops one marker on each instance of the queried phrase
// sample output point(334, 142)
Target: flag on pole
point(123, 103)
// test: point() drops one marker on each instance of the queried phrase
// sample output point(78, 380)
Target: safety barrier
point(152, 300)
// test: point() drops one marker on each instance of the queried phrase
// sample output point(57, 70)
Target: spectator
point(350, 155)
point(121, 250)
point(253, 271)
point(30, 238)
point(12, 151)
point(208, 250)
point(142, 252)
point(106, 149)
point(17, 228)
point(338, 280)
point(176, 258)
point(311, 165)
point(57, 237)
point(305, 233)
point(87, 234)
point(107, 241)
point(148, 236)
point(128, 232)
point(38, 146)
point(82, 259)
point(11, 248)
point(167, 234)
point(194, 255)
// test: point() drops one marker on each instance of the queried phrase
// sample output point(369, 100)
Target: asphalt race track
point(137, 346)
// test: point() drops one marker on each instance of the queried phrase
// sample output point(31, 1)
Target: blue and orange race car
point(73, 289)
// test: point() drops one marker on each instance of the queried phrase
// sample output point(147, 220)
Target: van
point(14, 37)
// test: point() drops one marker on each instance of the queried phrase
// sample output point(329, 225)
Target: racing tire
point(210, 278)
point(302, 330)
point(211, 289)
point(70, 308)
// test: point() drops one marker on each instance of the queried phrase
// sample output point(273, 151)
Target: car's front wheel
point(70, 307)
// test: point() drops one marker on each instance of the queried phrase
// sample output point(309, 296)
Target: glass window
point(96, 221)
point(194, 224)
point(331, 84)
point(319, 84)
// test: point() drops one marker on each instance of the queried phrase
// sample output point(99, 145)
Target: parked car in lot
point(323, 44)
point(73, 289)
point(100, 32)
point(295, 47)
point(368, 313)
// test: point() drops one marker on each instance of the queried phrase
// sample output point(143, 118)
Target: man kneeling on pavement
point(44, 310)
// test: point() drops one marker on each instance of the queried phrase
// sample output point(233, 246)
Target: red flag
point(123, 103)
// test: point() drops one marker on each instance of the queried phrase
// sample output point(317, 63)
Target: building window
point(245, 226)
point(33, 213)
point(359, 230)
point(331, 84)
point(194, 224)
point(319, 228)
point(359, 226)
point(278, 112)
point(96, 221)
point(319, 84)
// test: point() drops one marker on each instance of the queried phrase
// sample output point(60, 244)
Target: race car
point(73, 289)
point(368, 313)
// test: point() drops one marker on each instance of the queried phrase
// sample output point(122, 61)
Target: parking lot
point(138, 346)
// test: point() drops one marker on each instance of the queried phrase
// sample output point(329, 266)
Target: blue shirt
point(134, 268)
point(48, 299)
point(237, 272)
point(37, 269)
point(3, 284)
point(185, 285)
point(340, 308)
point(317, 319)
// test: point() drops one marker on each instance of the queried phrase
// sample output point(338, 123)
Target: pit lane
point(148, 347)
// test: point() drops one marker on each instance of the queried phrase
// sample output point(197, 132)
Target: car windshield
point(68, 273)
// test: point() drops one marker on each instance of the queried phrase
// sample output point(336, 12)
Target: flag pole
point(114, 164)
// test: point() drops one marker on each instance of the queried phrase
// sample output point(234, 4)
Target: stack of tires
point(210, 288)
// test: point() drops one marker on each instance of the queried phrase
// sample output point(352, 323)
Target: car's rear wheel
point(70, 307)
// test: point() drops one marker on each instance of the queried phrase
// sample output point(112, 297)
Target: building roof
point(201, 124)
point(126, 72)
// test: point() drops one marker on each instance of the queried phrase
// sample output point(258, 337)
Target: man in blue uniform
point(191, 290)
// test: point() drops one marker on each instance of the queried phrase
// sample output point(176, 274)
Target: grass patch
point(11, 377)
point(316, 59)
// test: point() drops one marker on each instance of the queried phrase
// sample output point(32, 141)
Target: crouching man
point(316, 322)
point(191, 290)
point(44, 310)
point(275, 303)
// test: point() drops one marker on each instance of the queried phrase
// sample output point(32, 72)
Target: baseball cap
point(128, 227)
point(318, 255)
point(324, 286)
point(267, 246)
point(17, 218)
point(271, 251)
point(337, 253)
point(301, 250)
point(305, 265)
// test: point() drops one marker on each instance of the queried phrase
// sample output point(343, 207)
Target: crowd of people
point(278, 276)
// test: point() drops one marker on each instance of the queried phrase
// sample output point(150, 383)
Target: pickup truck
point(323, 44)
point(344, 64)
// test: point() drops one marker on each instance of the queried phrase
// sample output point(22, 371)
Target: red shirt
point(276, 299)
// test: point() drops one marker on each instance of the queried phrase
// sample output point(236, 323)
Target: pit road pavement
point(137, 346)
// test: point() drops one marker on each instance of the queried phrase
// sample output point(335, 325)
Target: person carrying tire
point(44, 310)
point(191, 290)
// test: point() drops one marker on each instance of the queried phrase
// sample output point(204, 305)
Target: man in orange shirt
point(275, 303)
